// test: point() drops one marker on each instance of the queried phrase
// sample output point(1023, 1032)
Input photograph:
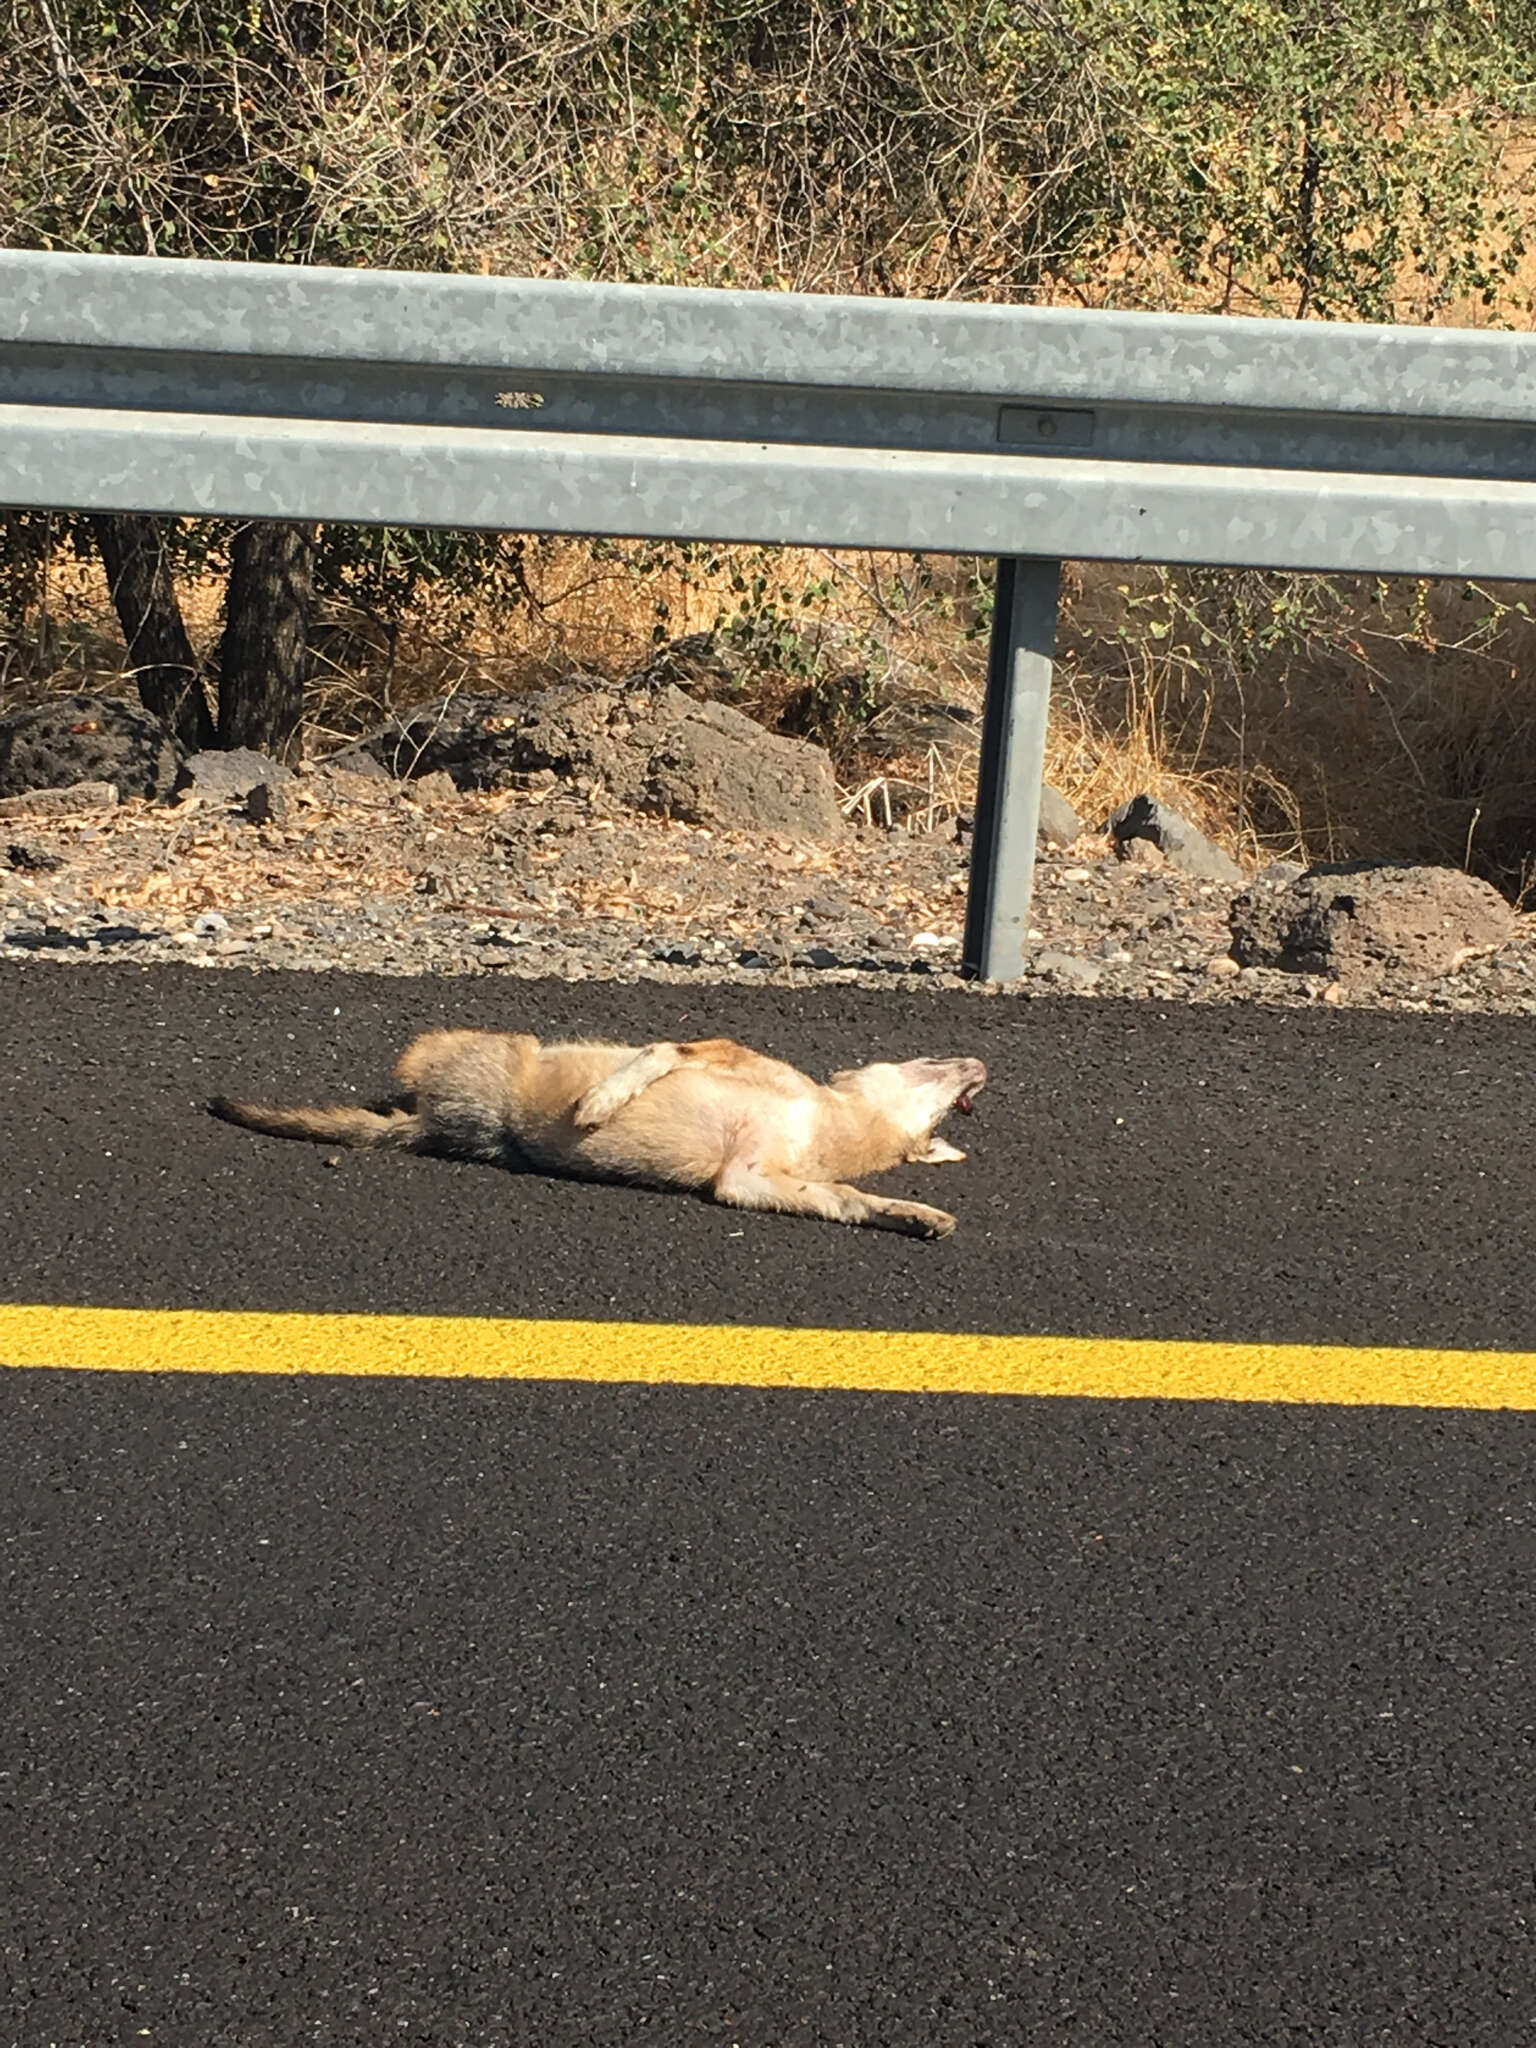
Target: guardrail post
point(1012, 767)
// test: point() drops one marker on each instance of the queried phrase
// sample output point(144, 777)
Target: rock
point(941, 832)
point(357, 761)
point(725, 666)
point(31, 860)
point(828, 904)
point(1361, 921)
point(60, 803)
point(652, 748)
point(229, 776)
point(474, 739)
point(1066, 968)
point(706, 663)
point(1145, 818)
point(1059, 823)
point(51, 939)
point(713, 766)
point(436, 788)
point(1141, 853)
point(271, 803)
point(65, 741)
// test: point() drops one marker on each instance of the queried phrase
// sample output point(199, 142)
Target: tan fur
point(709, 1115)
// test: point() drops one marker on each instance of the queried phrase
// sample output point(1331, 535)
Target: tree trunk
point(144, 597)
point(264, 654)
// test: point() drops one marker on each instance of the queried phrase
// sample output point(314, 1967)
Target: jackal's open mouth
point(963, 1103)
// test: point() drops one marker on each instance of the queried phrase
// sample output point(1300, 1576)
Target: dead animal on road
point(712, 1116)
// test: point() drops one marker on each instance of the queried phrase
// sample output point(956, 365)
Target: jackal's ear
point(937, 1152)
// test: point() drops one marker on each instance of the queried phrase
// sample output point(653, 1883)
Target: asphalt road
point(369, 1711)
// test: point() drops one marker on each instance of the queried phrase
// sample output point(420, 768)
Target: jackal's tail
point(395, 1129)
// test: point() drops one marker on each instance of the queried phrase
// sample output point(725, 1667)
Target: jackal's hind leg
point(742, 1186)
point(605, 1098)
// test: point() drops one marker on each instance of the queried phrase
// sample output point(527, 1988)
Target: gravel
point(547, 881)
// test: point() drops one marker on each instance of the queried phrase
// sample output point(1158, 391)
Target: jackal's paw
point(914, 1219)
point(598, 1105)
point(938, 1152)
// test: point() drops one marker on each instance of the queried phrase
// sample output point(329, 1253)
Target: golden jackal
point(711, 1115)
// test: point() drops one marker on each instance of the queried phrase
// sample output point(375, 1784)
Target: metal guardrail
point(1032, 434)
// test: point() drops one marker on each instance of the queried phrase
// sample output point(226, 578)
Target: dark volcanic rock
point(83, 738)
point(230, 776)
point(652, 747)
point(32, 860)
point(271, 803)
point(1179, 841)
point(1361, 921)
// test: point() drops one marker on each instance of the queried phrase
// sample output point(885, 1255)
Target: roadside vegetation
point(1324, 158)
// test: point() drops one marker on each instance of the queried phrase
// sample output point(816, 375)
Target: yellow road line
point(905, 1361)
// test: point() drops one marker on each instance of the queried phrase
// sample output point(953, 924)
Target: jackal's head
point(915, 1097)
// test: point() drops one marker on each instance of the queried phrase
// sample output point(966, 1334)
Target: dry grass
point(1330, 718)
point(1326, 718)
